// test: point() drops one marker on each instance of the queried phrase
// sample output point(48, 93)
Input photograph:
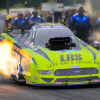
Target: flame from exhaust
point(7, 60)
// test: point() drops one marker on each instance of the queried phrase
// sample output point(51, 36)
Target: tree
point(36, 3)
point(20, 5)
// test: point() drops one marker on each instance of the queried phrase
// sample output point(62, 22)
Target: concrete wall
point(15, 11)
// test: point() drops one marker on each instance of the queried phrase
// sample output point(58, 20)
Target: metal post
point(8, 7)
point(53, 16)
point(52, 4)
point(74, 2)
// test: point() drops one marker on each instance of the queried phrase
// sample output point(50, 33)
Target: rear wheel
point(18, 75)
point(18, 80)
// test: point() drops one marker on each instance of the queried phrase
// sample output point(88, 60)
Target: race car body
point(51, 54)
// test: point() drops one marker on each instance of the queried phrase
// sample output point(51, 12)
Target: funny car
point(50, 54)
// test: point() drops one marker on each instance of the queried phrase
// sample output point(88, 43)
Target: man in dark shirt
point(42, 20)
point(29, 17)
point(81, 25)
point(49, 17)
point(35, 19)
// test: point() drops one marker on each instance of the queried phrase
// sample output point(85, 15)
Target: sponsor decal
point(68, 63)
point(71, 57)
point(51, 26)
point(75, 66)
point(77, 71)
point(45, 26)
point(9, 25)
point(29, 81)
point(77, 83)
point(36, 76)
point(96, 80)
point(58, 82)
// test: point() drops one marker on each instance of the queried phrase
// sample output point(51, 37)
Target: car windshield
point(43, 35)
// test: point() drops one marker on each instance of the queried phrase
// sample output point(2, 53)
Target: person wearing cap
point(71, 12)
point(42, 20)
point(35, 19)
point(8, 17)
point(20, 21)
point(81, 25)
point(29, 17)
point(49, 16)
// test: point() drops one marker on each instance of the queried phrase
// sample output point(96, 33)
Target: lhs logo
point(77, 71)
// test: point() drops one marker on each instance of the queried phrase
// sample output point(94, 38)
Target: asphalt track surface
point(9, 90)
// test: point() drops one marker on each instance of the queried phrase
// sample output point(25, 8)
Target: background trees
point(35, 3)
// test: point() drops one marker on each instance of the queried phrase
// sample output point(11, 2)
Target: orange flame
point(25, 54)
point(9, 59)
point(6, 57)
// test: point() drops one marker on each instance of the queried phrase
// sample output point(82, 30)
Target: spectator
point(35, 19)
point(20, 21)
point(49, 17)
point(70, 13)
point(62, 19)
point(42, 20)
point(98, 21)
point(57, 16)
point(9, 17)
point(29, 17)
point(81, 25)
point(7, 23)
point(26, 14)
point(66, 14)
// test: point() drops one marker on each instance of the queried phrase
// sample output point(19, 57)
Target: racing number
point(17, 62)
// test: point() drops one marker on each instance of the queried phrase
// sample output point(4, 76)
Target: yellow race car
point(50, 54)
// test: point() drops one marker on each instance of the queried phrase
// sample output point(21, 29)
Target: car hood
point(48, 59)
